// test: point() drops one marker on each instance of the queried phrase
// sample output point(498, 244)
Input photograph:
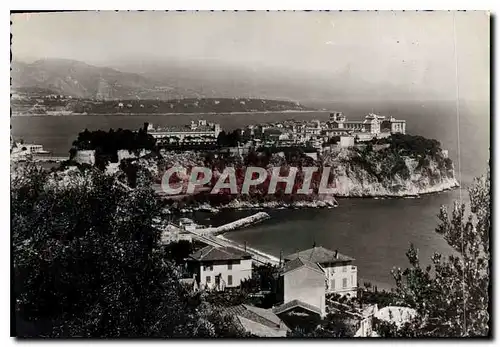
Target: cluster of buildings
point(337, 130)
point(307, 285)
point(38, 101)
point(197, 132)
point(23, 151)
point(321, 135)
point(303, 283)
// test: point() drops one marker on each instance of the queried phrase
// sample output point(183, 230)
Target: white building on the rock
point(196, 132)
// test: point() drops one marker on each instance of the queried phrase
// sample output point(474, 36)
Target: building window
point(344, 283)
point(208, 279)
point(229, 280)
point(230, 266)
point(332, 284)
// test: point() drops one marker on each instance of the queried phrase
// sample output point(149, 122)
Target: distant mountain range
point(84, 88)
point(81, 80)
point(169, 80)
point(205, 78)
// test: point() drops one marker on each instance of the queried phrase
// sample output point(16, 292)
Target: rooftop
point(211, 253)
point(320, 255)
point(355, 122)
point(294, 304)
point(337, 129)
point(300, 262)
point(182, 128)
point(256, 314)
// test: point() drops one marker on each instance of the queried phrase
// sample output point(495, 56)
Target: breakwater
point(255, 218)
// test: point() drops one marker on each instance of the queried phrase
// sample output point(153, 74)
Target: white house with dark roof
point(220, 267)
point(339, 274)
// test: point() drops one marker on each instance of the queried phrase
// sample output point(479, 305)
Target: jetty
point(213, 236)
point(258, 217)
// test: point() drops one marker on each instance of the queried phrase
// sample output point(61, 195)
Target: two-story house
point(301, 292)
point(220, 267)
point(340, 275)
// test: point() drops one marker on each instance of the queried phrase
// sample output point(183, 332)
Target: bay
point(374, 231)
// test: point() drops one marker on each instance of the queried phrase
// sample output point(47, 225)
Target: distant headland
point(36, 101)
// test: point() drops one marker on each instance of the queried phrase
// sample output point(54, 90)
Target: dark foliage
point(334, 325)
point(152, 106)
point(107, 143)
point(87, 262)
point(452, 299)
point(231, 139)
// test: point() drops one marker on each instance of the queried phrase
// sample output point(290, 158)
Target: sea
point(376, 232)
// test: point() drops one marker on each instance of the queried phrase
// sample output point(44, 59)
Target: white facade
point(85, 157)
point(398, 126)
point(339, 275)
point(305, 285)
point(126, 154)
point(200, 132)
point(346, 141)
point(26, 149)
point(230, 272)
point(364, 136)
point(171, 237)
point(341, 279)
point(374, 126)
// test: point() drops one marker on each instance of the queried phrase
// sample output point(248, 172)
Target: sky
point(413, 51)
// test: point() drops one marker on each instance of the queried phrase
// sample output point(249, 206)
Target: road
point(257, 256)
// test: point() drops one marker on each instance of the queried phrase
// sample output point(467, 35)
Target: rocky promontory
point(398, 166)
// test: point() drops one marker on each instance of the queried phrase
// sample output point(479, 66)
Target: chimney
point(336, 254)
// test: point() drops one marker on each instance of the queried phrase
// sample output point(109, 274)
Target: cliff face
point(403, 165)
point(383, 172)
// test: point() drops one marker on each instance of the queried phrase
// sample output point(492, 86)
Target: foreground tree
point(333, 325)
point(87, 262)
point(451, 297)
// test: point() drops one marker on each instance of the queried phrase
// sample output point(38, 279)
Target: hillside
point(62, 85)
point(198, 78)
point(81, 80)
point(52, 105)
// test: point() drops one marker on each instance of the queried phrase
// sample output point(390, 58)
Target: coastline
point(247, 205)
point(445, 185)
point(164, 114)
point(329, 203)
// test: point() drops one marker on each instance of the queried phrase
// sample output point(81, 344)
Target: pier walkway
point(213, 236)
point(257, 256)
